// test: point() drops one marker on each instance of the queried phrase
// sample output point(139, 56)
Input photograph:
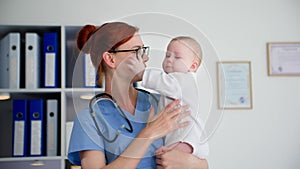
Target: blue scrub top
point(85, 136)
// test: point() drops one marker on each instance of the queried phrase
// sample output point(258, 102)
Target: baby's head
point(183, 54)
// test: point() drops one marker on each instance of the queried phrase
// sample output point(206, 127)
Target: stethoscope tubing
point(98, 97)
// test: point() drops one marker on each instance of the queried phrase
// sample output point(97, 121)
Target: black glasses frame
point(145, 50)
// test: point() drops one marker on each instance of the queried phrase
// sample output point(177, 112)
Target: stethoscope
point(92, 112)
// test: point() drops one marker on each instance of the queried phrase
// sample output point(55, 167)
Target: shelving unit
point(68, 93)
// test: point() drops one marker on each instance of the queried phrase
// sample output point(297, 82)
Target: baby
point(178, 81)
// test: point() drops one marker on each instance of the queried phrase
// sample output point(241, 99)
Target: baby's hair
point(192, 44)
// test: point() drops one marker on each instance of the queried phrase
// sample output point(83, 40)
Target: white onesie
point(182, 86)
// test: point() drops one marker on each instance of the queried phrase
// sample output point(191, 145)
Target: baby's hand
point(161, 150)
point(131, 67)
point(136, 65)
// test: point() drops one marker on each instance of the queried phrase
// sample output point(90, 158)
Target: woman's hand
point(174, 159)
point(165, 122)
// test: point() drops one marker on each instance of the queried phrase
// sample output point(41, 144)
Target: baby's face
point(179, 58)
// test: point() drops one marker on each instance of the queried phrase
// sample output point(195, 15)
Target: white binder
point(69, 127)
point(52, 134)
point(32, 62)
point(89, 72)
point(10, 61)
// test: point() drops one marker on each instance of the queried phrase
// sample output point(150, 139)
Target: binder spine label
point(19, 138)
point(14, 65)
point(36, 132)
point(30, 83)
point(51, 146)
point(50, 69)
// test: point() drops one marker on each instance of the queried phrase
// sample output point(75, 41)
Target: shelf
point(70, 88)
point(30, 158)
point(40, 90)
point(33, 163)
point(51, 90)
point(83, 90)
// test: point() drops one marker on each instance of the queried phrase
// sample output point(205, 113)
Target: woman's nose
point(145, 58)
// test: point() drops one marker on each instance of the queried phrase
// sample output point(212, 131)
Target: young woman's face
point(127, 64)
point(179, 58)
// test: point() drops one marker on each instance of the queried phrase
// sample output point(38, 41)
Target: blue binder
point(50, 45)
point(37, 123)
point(19, 148)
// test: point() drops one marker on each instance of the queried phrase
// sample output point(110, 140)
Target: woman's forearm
point(131, 157)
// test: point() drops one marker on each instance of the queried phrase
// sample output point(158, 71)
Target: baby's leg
point(182, 146)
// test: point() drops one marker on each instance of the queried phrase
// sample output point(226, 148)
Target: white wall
point(266, 137)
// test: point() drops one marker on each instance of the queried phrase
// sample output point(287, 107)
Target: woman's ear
point(109, 59)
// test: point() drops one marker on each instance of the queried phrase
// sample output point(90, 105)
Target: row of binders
point(41, 55)
point(35, 128)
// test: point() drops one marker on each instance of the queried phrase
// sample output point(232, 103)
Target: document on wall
point(235, 85)
point(284, 58)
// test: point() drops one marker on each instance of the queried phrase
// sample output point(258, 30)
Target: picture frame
point(234, 85)
point(283, 58)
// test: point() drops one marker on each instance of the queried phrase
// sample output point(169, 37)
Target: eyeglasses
point(139, 52)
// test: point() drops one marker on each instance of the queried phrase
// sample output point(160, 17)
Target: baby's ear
point(108, 58)
point(194, 66)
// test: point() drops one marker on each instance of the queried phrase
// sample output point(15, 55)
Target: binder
point(69, 127)
point(52, 122)
point(10, 61)
point(89, 72)
point(36, 127)
point(32, 60)
point(19, 128)
point(50, 60)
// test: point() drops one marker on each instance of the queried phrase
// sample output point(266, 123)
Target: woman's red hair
point(95, 41)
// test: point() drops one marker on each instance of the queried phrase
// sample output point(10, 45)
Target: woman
point(115, 48)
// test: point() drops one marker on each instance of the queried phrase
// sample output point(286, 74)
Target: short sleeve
point(201, 150)
point(83, 137)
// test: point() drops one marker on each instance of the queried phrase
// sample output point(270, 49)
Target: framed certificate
point(234, 85)
point(283, 58)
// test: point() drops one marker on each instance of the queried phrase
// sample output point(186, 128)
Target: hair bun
point(83, 35)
